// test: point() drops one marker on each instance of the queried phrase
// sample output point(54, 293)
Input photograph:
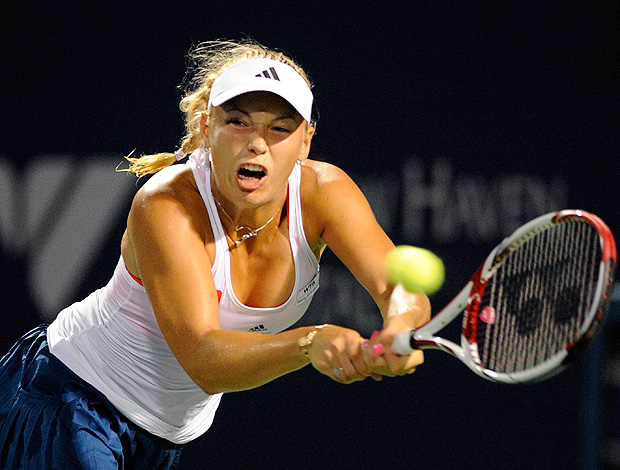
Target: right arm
point(167, 234)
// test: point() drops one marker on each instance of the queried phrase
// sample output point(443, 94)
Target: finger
point(384, 361)
point(400, 365)
point(357, 356)
point(337, 373)
point(364, 362)
point(354, 367)
point(341, 368)
point(361, 368)
point(348, 355)
point(380, 366)
point(415, 359)
point(371, 362)
point(346, 370)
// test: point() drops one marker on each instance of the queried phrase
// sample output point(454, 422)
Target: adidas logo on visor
point(266, 74)
point(241, 77)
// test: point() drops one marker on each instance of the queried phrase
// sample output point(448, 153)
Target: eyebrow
point(229, 107)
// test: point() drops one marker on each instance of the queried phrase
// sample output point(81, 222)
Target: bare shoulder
point(170, 204)
point(174, 181)
point(318, 174)
point(172, 190)
point(325, 184)
point(326, 191)
point(317, 180)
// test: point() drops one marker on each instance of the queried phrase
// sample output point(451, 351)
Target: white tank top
point(111, 339)
point(233, 314)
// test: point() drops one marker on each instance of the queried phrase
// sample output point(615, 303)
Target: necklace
point(251, 231)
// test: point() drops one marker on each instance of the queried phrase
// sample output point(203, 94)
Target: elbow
point(203, 362)
point(209, 379)
point(212, 388)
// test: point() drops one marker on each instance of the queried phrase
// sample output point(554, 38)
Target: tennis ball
point(417, 269)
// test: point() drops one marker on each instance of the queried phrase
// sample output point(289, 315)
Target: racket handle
point(404, 343)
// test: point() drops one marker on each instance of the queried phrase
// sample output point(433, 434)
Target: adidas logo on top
point(258, 328)
point(266, 73)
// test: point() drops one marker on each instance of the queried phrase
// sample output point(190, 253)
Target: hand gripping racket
point(533, 305)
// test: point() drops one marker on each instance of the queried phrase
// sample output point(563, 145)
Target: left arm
point(348, 226)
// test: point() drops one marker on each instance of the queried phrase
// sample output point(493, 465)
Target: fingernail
point(374, 334)
point(367, 374)
point(365, 344)
point(377, 349)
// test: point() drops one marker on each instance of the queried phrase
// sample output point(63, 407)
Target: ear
point(305, 147)
point(204, 129)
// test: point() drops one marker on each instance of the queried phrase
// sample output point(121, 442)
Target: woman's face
point(255, 140)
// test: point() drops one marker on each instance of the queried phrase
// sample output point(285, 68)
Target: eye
point(283, 126)
point(235, 121)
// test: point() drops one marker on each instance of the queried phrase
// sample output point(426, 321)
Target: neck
point(242, 231)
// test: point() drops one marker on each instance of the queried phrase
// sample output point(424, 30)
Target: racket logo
point(539, 295)
point(488, 315)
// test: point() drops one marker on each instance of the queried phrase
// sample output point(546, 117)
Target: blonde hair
point(209, 59)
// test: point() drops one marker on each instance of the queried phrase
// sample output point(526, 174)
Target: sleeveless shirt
point(111, 338)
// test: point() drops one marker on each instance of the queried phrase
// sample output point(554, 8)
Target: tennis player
point(219, 259)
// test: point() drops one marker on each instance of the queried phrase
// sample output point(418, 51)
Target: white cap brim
point(263, 75)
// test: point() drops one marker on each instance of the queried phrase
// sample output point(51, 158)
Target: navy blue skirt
point(52, 419)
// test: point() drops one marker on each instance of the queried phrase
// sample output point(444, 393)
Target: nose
point(257, 143)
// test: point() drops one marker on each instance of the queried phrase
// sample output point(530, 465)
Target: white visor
point(263, 75)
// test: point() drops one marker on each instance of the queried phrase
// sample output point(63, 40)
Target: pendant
point(252, 233)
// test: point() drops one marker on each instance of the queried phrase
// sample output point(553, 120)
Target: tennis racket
point(533, 305)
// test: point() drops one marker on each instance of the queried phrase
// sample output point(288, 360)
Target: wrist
point(399, 322)
point(305, 342)
point(400, 301)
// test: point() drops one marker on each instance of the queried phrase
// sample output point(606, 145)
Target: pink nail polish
point(374, 334)
point(377, 349)
point(365, 344)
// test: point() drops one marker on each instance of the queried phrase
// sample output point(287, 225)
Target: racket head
point(539, 298)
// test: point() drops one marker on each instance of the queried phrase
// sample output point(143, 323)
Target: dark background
point(493, 89)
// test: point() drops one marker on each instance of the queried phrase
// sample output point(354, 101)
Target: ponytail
point(209, 59)
point(148, 164)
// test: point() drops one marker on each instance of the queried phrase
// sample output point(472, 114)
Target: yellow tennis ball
point(417, 269)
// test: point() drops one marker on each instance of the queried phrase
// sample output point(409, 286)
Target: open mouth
point(250, 171)
point(250, 175)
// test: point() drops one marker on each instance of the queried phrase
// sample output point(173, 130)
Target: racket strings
point(540, 297)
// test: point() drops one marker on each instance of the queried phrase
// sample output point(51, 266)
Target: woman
point(219, 258)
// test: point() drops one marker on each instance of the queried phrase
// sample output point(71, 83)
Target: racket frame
point(467, 300)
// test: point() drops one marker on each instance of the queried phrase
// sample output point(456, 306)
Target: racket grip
point(404, 343)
